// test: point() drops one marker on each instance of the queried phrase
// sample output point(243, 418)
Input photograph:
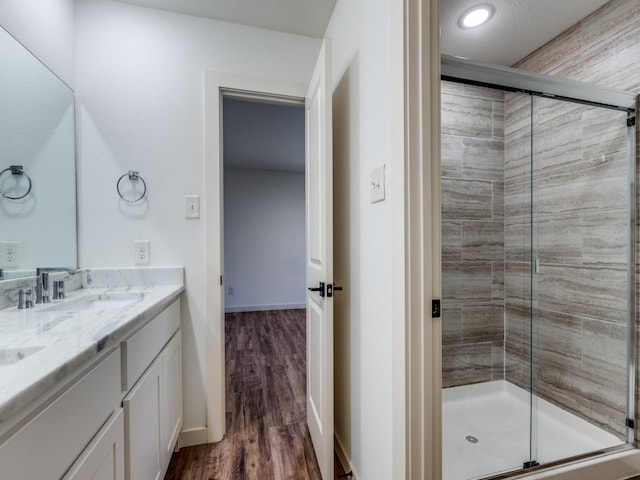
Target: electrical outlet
point(141, 254)
point(230, 291)
point(10, 252)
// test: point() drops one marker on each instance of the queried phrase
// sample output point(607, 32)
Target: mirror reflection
point(37, 161)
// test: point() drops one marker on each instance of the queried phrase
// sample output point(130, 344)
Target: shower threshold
point(485, 431)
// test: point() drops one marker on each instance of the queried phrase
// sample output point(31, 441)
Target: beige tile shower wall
point(517, 239)
point(472, 234)
point(579, 335)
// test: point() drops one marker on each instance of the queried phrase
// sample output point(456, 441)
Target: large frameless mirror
point(37, 165)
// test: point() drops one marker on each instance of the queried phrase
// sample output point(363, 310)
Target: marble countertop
point(41, 346)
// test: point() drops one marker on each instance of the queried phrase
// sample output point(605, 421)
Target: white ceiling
point(263, 136)
point(300, 17)
point(517, 28)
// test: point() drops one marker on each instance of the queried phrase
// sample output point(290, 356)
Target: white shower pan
point(486, 430)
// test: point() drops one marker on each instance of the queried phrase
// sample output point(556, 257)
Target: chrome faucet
point(42, 287)
point(24, 298)
point(70, 271)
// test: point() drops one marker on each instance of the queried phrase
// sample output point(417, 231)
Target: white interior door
point(319, 258)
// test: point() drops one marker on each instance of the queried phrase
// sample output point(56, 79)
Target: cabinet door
point(142, 428)
point(153, 415)
point(170, 398)
point(49, 444)
point(103, 459)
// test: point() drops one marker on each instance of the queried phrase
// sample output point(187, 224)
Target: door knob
point(332, 287)
point(319, 289)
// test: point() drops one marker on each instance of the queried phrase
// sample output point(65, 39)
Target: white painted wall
point(361, 35)
point(46, 29)
point(139, 85)
point(263, 136)
point(264, 239)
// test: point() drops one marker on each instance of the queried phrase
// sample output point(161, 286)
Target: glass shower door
point(538, 259)
point(581, 278)
point(485, 180)
point(518, 319)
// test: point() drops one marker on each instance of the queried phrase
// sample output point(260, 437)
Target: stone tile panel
point(466, 282)
point(483, 159)
point(467, 364)
point(482, 323)
point(482, 241)
point(466, 199)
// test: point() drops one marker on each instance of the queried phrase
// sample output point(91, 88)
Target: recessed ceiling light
point(476, 16)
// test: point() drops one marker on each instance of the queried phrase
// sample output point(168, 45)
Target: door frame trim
point(416, 348)
point(216, 84)
point(421, 337)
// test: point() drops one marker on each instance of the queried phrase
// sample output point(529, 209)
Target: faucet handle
point(58, 289)
point(25, 298)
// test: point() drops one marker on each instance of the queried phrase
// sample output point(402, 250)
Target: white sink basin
point(11, 355)
point(96, 302)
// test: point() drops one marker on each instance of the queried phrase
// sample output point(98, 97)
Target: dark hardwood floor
point(267, 436)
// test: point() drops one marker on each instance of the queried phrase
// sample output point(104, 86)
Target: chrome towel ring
point(16, 170)
point(133, 177)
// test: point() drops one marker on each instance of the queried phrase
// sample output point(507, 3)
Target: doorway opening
point(318, 207)
point(264, 205)
point(263, 178)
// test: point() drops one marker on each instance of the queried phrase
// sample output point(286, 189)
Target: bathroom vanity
point(90, 387)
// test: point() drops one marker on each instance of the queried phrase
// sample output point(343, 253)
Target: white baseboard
point(262, 308)
point(344, 459)
point(191, 437)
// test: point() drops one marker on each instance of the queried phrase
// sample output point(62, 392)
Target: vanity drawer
point(48, 445)
point(144, 346)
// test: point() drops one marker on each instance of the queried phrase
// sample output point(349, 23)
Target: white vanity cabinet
point(118, 415)
point(103, 459)
point(55, 440)
point(152, 384)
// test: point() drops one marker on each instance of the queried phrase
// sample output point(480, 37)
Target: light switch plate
point(377, 184)
point(192, 206)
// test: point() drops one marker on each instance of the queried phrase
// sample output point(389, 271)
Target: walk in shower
point(538, 235)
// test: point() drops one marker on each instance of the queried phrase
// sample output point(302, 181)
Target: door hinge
point(631, 122)
point(435, 309)
point(221, 281)
point(531, 464)
point(629, 422)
